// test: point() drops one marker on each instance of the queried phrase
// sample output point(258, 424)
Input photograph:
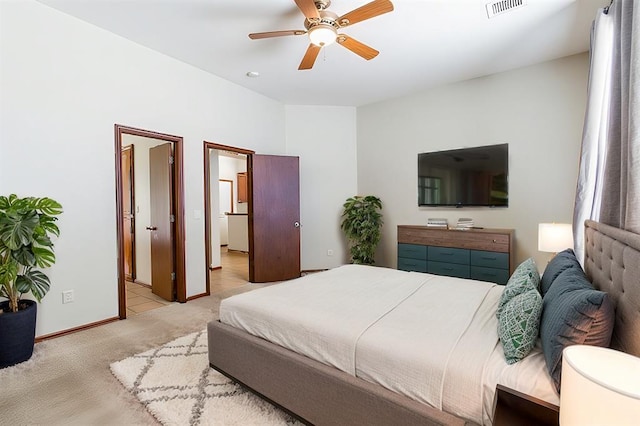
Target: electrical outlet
point(67, 296)
point(329, 252)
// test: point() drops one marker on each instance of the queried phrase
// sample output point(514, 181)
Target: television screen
point(476, 176)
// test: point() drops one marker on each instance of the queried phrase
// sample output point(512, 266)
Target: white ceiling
point(422, 43)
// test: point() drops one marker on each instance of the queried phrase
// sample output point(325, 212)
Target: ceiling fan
point(322, 25)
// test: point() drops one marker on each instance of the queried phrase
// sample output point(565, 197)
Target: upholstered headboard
point(612, 263)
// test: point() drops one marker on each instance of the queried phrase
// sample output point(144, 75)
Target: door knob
point(151, 228)
point(296, 224)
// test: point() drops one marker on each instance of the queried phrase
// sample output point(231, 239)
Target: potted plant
point(26, 227)
point(361, 223)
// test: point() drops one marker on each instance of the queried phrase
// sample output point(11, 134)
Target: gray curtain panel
point(621, 192)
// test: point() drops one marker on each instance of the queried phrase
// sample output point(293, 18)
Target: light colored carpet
point(175, 383)
point(68, 381)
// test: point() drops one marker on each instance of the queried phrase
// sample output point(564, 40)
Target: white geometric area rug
point(178, 387)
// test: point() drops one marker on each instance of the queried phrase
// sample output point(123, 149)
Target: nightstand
point(513, 408)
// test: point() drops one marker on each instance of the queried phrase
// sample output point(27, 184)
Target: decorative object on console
point(434, 222)
point(554, 237)
point(464, 223)
point(599, 386)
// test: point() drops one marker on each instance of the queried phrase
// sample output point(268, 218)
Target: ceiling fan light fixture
point(322, 35)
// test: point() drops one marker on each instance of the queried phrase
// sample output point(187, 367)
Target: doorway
point(273, 213)
point(226, 216)
point(166, 199)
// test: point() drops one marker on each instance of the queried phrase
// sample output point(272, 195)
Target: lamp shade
point(554, 237)
point(599, 386)
point(322, 35)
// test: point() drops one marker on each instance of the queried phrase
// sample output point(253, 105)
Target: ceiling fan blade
point(309, 57)
point(356, 47)
point(269, 34)
point(308, 8)
point(368, 11)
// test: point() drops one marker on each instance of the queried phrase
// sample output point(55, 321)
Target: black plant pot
point(17, 333)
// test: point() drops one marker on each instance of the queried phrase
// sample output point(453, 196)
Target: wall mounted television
point(477, 176)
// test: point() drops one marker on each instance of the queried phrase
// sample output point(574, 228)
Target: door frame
point(178, 199)
point(207, 148)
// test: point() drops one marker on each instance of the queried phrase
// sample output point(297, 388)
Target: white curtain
point(621, 192)
point(595, 130)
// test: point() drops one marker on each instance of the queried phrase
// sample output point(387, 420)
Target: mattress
point(428, 337)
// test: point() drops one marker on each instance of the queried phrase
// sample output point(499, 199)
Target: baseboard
point(197, 296)
point(75, 329)
point(312, 271)
point(214, 268)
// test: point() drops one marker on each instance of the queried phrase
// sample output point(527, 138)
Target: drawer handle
point(489, 258)
point(447, 269)
point(495, 241)
point(446, 254)
point(487, 274)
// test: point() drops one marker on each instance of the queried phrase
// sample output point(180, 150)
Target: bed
point(390, 376)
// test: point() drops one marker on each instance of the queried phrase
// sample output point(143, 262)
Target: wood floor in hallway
point(234, 272)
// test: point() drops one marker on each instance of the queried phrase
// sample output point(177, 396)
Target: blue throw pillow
point(561, 262)
point(573, 313)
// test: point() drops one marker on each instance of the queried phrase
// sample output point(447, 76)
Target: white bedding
point(429, 337)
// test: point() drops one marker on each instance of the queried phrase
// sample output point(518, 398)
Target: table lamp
point(554, 237)
point(600, 386)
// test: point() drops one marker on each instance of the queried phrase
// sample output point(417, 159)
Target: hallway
point(234, 272)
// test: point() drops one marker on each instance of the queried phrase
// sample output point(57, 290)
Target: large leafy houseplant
point(26, 227)
point(362, 223)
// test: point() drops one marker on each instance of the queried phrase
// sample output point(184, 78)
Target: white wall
point(324, 138)
point(537, 110)
point(64, 85)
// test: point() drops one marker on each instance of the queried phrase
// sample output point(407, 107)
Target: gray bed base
point(316, 393)
point(322, 395)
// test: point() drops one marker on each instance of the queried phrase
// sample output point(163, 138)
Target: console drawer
point(481, 273)
point(406, 264)
point(490, 259)
point(448, 255)
point(450, 269)
point(412, 251)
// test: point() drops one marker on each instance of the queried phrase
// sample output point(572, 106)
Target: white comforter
point(429, 337)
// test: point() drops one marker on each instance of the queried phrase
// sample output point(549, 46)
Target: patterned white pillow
point(526, 277)
point(519, 324)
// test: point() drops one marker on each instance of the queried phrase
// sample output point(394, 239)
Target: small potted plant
point(26, 227)
point(361, 223)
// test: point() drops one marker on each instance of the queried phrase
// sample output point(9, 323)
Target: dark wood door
point(162, 221)
point(274, 218)
point(127, 213)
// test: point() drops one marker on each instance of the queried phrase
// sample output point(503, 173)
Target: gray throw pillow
point(573, 313)
point(518, 325)
point(526, 277)
point(561, 262)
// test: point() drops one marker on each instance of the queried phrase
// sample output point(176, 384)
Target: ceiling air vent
point(501, 6)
